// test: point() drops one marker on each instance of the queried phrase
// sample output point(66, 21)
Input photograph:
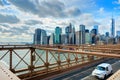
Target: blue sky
point(19, 18)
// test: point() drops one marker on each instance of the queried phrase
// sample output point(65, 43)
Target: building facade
point(37, 36)
point(52, 39)
point(58, 32)
point(112, 28)
point(87, 37)
point(40, 37)
point(96, 27)
point(82, 34)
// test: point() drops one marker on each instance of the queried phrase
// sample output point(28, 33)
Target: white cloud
point(47, 14)
point(101, 10)
point(116, 2)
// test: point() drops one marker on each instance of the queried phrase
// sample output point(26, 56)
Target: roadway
point(85, 73)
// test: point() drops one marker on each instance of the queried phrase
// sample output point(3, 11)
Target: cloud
point(45, 8)
point(5, 2)
point(15, 30)
point(11, 33)
point(19, 30)
point(1, 3)
point(83, 5)
point(116, 2)
point(8, 19)
point(101, 10)
point(25, 5)
point(88, 20)
point(33, 22)
point(73, 11)
point(5, 25)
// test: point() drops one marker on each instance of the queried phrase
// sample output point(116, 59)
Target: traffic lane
point(80, 74)
point(115, 66)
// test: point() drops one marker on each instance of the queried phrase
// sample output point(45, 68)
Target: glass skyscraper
point(43, 37)
point(37, 36)
point(113, 28)
point(93, 36)
point(96, 27)
point(118, 33)
point(68, 31)
point(52, 39)
point(87, 37)
point(82, 34)
point(58, 32)
point(40, 36)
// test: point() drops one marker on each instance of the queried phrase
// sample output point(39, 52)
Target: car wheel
point(105, 77)
point(111, 72)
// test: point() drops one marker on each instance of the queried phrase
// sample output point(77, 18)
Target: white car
point(102, 70)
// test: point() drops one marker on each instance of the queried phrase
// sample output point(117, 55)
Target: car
point(102, 70)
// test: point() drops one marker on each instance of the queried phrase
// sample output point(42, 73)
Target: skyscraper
point(37, 36)
point(118, 37)
point(77, 38)
point(73, 41)
point(107, 34)
point(51, 40)
point(43, 37)
point(68, 31)
point(40, 36)
point(58, 32)
point(112, 28)
point(118, 33)
point(87, 37)
point(82, 34)
point(96, 27)
point(63, 36)
point(93, 36)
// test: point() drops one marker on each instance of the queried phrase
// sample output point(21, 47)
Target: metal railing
point(29, 61)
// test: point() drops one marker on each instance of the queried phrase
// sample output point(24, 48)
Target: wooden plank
point(6, 74)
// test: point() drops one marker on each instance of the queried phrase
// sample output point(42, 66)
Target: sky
point(20, 18)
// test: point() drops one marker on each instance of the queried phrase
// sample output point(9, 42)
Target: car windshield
point(100, 68)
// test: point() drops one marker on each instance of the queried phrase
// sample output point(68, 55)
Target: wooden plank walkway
point(6, 74)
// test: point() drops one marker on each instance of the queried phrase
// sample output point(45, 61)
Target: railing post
point(76, 58)
point(68, 60)
point(47, 63)
point(59, 61)
point(32, 56)
point(10, 58)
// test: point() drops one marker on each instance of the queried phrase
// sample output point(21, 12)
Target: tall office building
point(82, 34)
point(118, 37)
point(96, 27)
point(63, 36)
point(40, 36)
point(87, 37)
point(107, 34)
point(37, 36)
point(52, 39)
point(68, 31)
point(58, 32)
point(112, 28)
point(73, 36)
point(118, 33)
point(44, 37)
point(77, 38)
point(93, 36)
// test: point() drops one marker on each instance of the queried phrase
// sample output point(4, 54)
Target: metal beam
point(82, 52)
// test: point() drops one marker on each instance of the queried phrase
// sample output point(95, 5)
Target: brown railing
point(27, 61)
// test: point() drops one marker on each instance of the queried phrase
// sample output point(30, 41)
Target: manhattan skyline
point(20, 18)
